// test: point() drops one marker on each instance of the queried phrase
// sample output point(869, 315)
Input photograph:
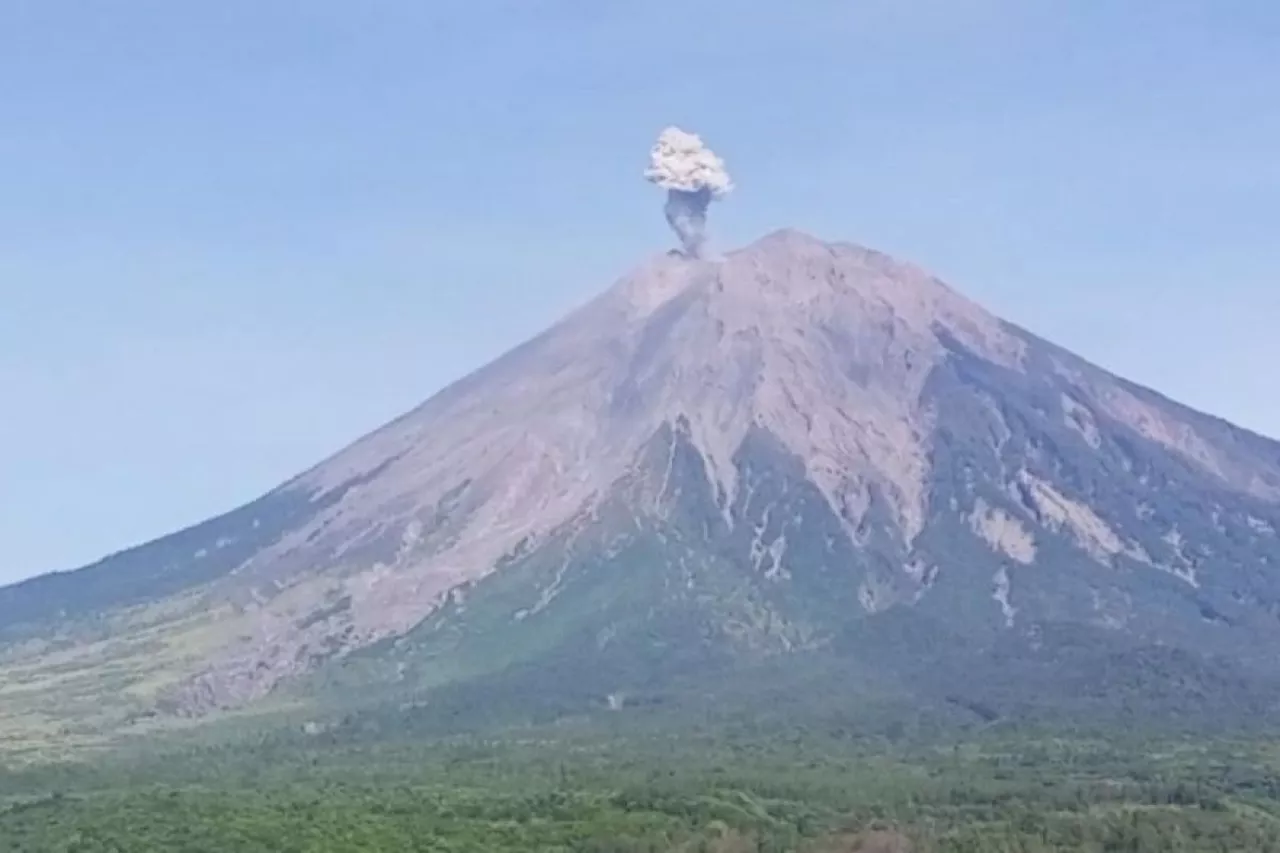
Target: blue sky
point(235, 236)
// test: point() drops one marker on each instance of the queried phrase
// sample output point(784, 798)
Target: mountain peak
point(795, 412)
point(825, 347)
point(785, 239)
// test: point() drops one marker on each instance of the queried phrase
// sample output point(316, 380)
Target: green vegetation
point(582, 787)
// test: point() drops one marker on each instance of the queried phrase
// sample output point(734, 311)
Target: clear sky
point(236, 235)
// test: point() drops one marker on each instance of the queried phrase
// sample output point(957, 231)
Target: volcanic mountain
point(800, 452)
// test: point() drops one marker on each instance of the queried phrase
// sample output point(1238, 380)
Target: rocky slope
point(801, 448)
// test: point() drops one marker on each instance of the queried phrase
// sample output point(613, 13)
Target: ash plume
point(693, 177)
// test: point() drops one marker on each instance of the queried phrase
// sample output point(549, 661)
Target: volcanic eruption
point(693, 177)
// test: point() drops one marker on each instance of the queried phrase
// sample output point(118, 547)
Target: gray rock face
point(794, 451)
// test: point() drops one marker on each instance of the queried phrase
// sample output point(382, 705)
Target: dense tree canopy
point(809, 790)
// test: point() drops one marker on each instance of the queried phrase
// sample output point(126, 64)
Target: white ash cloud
point(693, 177)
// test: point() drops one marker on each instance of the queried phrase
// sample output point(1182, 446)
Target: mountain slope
point(793, 451)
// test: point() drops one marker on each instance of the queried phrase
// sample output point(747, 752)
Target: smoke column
point(693, 177)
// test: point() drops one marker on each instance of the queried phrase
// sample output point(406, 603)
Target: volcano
point(801, 452)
